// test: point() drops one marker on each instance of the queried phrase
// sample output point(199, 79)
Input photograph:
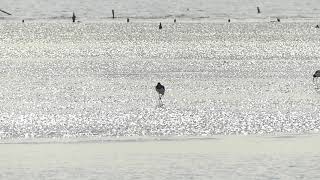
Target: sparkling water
point(98, 79)
point(78, 100)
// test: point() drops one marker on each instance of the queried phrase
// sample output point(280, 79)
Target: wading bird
point(160, 89)
point(316, 74)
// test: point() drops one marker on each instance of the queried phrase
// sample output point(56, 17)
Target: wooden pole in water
point(112, 14)
point(258, 9)
point(73, 17)
point(5, 12)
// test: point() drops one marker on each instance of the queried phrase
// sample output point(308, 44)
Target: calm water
point(221, 157)
point(100, 10)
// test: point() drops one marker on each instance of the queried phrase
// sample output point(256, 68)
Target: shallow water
point(218, 157)
point(77, 101)
point(97, 79)
point(213, 10)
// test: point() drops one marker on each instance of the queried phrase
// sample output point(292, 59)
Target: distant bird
point(128, 20)
point(160, 26)
point(160, 89)
point(229, 20)
point(278, 19)
point(316, 74)
point(317, 26)
point(174, 20)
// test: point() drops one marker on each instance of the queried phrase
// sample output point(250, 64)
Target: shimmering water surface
point(97, 79)
point(77, 100)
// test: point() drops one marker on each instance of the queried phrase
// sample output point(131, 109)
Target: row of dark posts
point(74, 16)
point(160, 25)
point(128, 20)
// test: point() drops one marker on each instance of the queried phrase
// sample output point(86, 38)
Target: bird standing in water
point(316, 74)
point(160, 89)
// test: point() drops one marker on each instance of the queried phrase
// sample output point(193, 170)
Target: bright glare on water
point(78, 100)
point(98, 79)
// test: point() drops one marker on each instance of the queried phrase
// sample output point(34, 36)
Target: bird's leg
point(159, 100)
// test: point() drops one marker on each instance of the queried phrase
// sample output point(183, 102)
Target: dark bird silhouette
point(160, 89)
point(317, 26)
point(160, 26)
point(316, 74)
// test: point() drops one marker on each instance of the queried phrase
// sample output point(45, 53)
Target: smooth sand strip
point(215, 144)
